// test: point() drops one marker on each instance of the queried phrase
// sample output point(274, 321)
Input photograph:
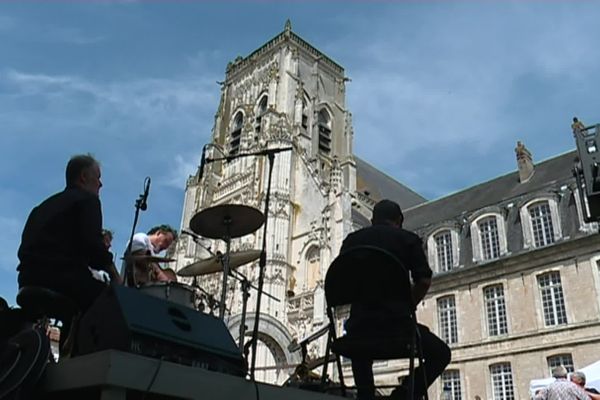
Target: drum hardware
point(212, 303)
point(175, 292)
point(226, 221)
point(270, 153)
point(147, 258)
point(246, 286)
point(215, 263)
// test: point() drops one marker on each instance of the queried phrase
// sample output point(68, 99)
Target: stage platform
point(115, 375)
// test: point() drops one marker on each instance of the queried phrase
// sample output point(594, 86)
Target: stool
point(41, 304)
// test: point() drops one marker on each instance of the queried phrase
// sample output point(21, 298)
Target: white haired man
point(578, 378)
point(562, 388)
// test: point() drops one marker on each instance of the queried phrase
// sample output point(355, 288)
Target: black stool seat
point(38, 302)
point(373, 348)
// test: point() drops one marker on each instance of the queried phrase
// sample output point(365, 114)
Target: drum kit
point(224, 222)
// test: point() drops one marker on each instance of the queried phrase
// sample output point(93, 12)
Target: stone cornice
point(522, 262)
point(286, 36)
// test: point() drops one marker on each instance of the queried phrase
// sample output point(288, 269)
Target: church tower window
point(236, 134)
point(313, 265)
point(304, 116)
point(324, 132)
point(260, 111)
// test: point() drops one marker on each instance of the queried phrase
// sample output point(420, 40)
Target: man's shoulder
point(141, 242)
point(76, 195)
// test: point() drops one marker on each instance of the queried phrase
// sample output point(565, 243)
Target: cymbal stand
point(246, 286)
point(270, 153)
point(209, 296)
point(225, 262)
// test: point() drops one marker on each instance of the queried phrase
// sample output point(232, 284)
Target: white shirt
point(141, 241)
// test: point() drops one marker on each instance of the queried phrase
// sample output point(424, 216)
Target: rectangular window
point(553, 302)
point(502, 381)
point(490, 242)
point(443, 245)
point(495, 310)
point(304, 121)
point(566, 360)
point(541, 223)
point(451, 384)
point(447, 319)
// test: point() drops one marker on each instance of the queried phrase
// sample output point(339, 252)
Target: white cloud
point(185, 165)
point(449, 79)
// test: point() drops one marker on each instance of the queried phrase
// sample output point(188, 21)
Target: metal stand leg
point(225, 273)
point(246, 296)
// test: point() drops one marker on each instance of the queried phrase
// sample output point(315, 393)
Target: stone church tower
point(285, 94)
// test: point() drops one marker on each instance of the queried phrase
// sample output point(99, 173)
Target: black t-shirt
point(64, 233)
point(408, 248)
point(404, 244)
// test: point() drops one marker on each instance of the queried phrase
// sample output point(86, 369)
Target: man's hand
point(114, 274)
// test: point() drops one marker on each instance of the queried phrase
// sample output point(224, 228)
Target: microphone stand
point(128, 272)
point(270, 153)
point(246, 286)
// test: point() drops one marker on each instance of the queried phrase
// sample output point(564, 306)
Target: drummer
point(152, 243)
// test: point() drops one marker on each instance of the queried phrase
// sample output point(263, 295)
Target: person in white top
point(103, 276)
point(152, 243)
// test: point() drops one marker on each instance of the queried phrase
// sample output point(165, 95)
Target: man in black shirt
point(63, 237)
point(386, 232)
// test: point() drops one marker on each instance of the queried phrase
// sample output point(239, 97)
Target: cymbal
point(227, 220)
point(213, 264)
point(147, 258)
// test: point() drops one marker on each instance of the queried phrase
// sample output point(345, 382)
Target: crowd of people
point(567, 387)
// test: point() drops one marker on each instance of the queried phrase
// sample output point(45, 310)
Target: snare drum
point(179, 293)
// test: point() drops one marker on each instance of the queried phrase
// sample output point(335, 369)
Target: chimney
point(524, 162)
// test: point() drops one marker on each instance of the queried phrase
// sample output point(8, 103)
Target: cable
point(153, 378)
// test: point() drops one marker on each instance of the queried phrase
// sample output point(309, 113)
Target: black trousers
point(435, 352)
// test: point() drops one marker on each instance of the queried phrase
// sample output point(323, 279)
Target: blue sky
point(440, 91)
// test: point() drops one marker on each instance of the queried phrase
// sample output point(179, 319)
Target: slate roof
point(547, 173)
point(381, 186)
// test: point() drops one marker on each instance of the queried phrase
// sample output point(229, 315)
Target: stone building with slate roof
point(516, 284)
point(516, 287)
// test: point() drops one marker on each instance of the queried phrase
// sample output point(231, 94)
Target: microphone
point(202, 162)
point(196, 238)
point(192, 234)
point(144, 203)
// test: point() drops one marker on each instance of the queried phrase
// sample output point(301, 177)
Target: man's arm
point(91, 234)
point(114, 274)
point(419, 289)
point(421, 272)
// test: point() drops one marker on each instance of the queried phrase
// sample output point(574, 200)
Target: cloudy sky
point(440, 92)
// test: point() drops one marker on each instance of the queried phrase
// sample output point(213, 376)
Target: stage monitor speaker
point(125, 319)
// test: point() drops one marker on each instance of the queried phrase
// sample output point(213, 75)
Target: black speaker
point(125, 319)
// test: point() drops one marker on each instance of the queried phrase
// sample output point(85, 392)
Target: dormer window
point(236, 134)
point(490, 240)
point(443, 245)
point(324, 123)
point(443, 250)
point(260, 111)
point(541, 225)
point(488, 235)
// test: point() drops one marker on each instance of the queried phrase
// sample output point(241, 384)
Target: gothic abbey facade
point(516, 286)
